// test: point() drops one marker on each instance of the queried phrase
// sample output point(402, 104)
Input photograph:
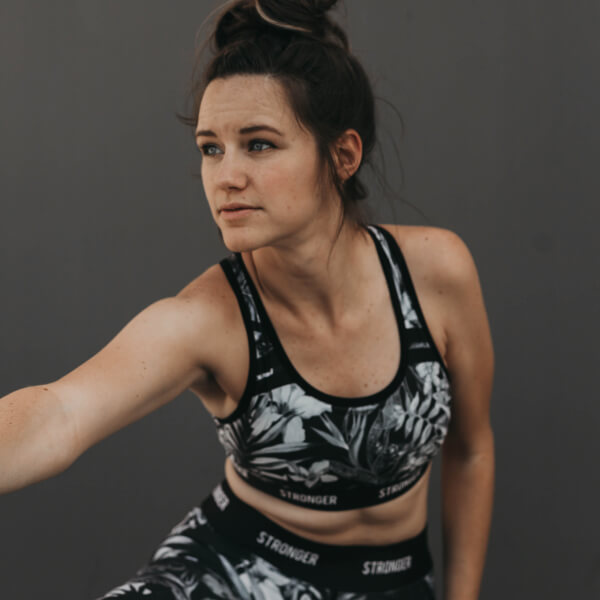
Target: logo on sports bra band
point(285, 549)
point(220, 497)
point(384, 567)
point(391, 489)
point(263, 375)
point(308, 498)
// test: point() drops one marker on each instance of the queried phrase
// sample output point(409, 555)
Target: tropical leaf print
point(256, 579)
point(411, 319)
point(317, 472)
point(175, 546)
point(246, 293)
point(126, 588)
point(334, 436)
point(219, 588)
point(273, 426)
point(192, 520)
point(262, 344)
point(152, 577)
point(377, 445)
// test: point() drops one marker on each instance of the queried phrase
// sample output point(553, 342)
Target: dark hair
point(308, 53)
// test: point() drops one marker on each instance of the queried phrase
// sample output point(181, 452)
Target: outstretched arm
point(155, 357)
point(468, 451)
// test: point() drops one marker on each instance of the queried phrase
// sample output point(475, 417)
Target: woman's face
point(255, 155)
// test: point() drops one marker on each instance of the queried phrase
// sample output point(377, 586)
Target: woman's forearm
point(467, 498)
point(34, 440)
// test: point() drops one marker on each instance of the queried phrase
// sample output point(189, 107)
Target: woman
point(334, 357)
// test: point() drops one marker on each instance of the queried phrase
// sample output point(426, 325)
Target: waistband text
point(285, 549)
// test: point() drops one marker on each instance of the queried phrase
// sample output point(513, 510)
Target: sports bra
point(313, 449)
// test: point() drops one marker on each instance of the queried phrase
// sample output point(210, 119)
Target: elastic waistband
point(360, 568)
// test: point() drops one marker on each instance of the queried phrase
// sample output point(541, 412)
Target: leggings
point(225, 549)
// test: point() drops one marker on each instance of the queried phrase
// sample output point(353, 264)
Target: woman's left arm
point(468, 451)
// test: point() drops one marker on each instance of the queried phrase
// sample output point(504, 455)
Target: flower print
point(271, 426)
point(442, 397)
point(430, 373)
point(292, 398)
point(410, 316)
point(294, 432)
point(274, 585)
point(265, 419)
point(246, 293)
point(393, 413)
point(318, 471)
point(157, 577)
point(218, 587)
point(288, 402)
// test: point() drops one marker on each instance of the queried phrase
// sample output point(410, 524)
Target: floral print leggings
point(224, 549)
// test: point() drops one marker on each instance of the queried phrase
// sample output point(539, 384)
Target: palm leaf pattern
point(273, 426)
point(372, 444)
point(410, 315)
point(175, 577)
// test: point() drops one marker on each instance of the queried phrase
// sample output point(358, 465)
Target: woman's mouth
point(238, 211)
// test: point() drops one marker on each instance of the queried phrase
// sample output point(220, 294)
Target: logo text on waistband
point(285, 549)
point(308, 498)
point(384, 567)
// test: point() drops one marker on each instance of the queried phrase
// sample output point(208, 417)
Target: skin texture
point(320, 291)
point(286, 246)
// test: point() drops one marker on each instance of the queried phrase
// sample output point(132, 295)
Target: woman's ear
point(347, 154)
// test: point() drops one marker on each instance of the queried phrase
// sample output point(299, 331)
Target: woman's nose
point(231, 172)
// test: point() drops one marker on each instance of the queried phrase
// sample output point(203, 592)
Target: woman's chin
point(238, 240)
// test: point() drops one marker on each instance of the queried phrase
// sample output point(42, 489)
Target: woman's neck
point(322, 276)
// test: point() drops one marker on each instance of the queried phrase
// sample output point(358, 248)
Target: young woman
point(335, 356)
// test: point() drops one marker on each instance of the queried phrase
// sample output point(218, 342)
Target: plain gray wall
point(101, 216)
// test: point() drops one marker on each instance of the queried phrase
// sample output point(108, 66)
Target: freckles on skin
point(282, 180)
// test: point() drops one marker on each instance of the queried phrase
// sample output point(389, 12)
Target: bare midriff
point(393, 521)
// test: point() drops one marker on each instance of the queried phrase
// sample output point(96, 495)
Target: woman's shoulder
point(210, 293)
point(445, 278)
point(212, 315)
point(435, 255)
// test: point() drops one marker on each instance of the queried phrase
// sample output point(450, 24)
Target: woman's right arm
point(156, 356)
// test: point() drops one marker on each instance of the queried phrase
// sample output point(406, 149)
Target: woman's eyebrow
point(243, 130)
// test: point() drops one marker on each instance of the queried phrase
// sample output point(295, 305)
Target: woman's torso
point(358, 357)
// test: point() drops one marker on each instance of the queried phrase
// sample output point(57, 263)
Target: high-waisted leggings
point(225, 549)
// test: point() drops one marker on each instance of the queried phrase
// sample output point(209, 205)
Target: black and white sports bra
point(325, 452)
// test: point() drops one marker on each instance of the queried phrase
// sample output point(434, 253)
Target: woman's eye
point(207, 149)
point(253, 143)
point(212, 150)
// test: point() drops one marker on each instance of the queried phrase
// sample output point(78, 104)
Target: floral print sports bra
point(325, 452)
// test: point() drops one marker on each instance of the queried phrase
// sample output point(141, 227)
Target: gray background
point(101, 216)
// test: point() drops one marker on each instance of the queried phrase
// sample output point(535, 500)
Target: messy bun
point(307, 16)
point(307, 52)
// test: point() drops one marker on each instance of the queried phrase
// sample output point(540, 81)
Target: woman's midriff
point(387, 523)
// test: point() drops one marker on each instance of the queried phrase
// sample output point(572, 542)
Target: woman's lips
point(230, 214)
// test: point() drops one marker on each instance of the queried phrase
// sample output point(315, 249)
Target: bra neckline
point(299, 379)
